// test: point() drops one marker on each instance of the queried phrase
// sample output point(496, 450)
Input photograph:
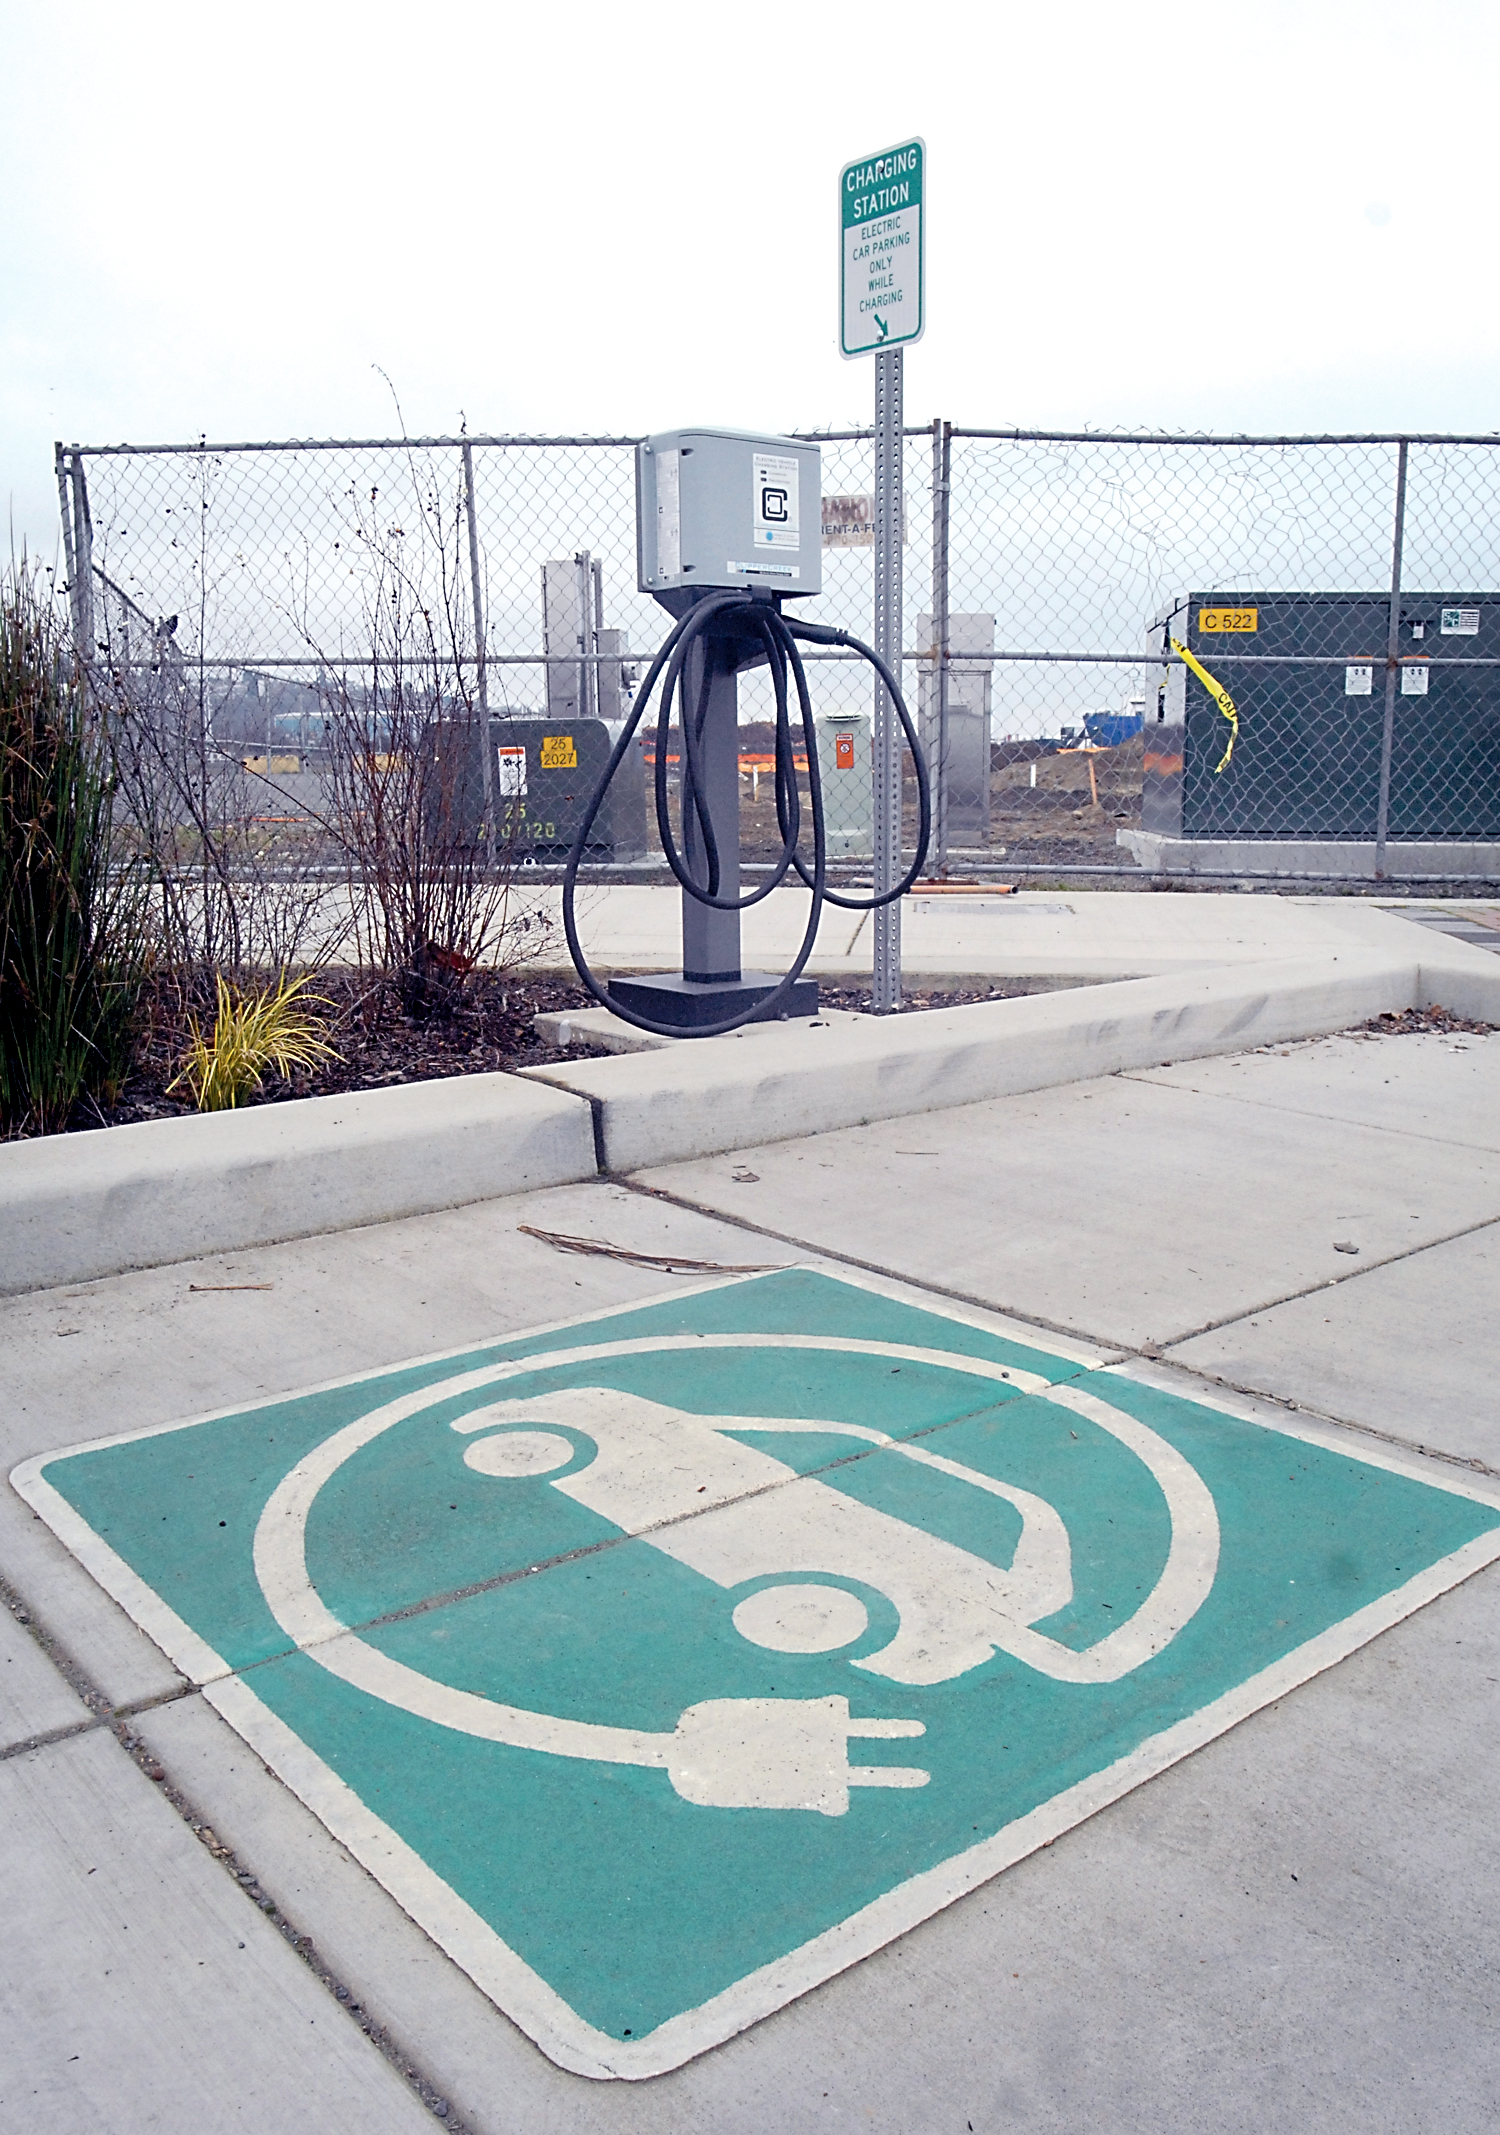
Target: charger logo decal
point(663, 1664)
point(774, 482)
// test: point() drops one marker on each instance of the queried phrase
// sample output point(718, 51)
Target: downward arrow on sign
point(884, 329)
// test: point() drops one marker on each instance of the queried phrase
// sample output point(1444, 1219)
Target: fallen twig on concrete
point(670, 1262)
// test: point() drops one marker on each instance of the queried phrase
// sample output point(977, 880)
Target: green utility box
point(1306, 677)
point(543, 772)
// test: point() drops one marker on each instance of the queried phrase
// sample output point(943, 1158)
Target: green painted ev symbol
point(688, 1485)
point(663, 1663)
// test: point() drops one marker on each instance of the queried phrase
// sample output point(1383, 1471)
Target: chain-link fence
point(1246, 656)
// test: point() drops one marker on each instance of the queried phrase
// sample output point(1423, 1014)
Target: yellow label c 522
point(1213, 620)
point(559, 753)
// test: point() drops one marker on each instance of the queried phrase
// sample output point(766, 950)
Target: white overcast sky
point(591, 218)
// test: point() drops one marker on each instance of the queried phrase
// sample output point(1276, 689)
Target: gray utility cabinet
point(544, 773)
point(1306, 672)
point(596, 684)
point(847, 773)
point(961, 775)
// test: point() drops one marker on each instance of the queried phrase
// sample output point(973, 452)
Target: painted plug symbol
point(779, 1753)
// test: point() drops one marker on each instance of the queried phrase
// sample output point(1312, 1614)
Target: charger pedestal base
point(691, 1004)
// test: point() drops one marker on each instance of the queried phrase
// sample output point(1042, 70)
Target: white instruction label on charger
point(1460, 623)
point(1414, 681)
point(774, 477)
point(1357, 681)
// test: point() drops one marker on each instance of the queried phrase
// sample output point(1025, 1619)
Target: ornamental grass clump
point(251, 1033)
point(72, 916)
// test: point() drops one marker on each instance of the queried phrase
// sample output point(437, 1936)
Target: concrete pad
point(1353, 1996)
point(117, 1663)
point(1408, 1349)
point(714, 1095)
point(1079, 935)
point(138, 1349)
point(34, 1699)
point(75, 1206)
point(490, 2075)
point(1175, 1572)
point(1443, 1088)
point(1122, 1210)
point(141, 1990)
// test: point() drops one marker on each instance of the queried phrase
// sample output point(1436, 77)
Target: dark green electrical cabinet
point(543, 773)
point(1298, 752)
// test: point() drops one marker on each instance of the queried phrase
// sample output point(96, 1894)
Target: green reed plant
point(72, 924)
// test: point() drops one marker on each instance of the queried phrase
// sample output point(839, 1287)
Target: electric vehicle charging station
point(728, 527)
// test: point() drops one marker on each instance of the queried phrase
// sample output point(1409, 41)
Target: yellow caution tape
point(1220, 695)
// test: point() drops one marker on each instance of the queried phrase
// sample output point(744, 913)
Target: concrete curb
point(1463, 980)
point(77, 1206)
point(698, 1100)
point(1442, 857)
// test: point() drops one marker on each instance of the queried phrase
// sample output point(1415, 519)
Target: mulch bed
point(484, 1029)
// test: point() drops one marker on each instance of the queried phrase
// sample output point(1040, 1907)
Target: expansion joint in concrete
point(1313, 1289)
point(1470, 1463)
point(1116, 1350)
point(1266, 1104)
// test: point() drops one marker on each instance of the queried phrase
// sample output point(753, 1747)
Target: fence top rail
point(205, 446)
point(1203, 437)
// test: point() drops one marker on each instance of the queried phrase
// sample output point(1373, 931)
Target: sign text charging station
point(664, 1662)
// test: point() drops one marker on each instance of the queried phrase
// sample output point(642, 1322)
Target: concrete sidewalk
point(1295, 1928)
point(1056, 937)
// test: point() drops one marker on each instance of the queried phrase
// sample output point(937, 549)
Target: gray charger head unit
point(727, 511)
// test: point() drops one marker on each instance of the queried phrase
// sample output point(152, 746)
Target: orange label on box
point(559, 753)
point(1212, 620)
point(843, 752)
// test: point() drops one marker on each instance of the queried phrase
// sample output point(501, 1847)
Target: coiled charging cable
point(757, 615)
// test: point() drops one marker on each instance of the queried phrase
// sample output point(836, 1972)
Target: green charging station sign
point(663, 1663)
point(882, 254)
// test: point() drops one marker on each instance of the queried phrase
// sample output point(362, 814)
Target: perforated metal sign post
point(664, 1663)
point(882, 307)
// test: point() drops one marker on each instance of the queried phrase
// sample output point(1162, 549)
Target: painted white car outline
point(768, 1752)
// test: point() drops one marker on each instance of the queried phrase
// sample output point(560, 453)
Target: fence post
point(889, 445)
point(486, 754)
point(81, 571)
point(942, 470)
point(65, 513)
point(1392, 649)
